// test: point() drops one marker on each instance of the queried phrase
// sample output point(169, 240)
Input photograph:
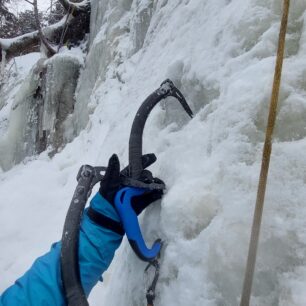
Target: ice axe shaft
point(87, 177)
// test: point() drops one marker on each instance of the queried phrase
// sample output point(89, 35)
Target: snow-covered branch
point(75, 8)
point(29, 2)
point(71, 27)
point(21, 44)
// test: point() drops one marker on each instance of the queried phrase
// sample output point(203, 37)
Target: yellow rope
point(250, 267)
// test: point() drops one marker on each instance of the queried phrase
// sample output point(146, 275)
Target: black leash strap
point(105, 222)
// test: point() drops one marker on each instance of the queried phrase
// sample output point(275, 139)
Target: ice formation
point(39, 110)
point(221, 55)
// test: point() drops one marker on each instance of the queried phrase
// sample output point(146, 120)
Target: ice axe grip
point(130, 222)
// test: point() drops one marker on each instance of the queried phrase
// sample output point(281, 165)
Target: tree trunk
point(50, 50)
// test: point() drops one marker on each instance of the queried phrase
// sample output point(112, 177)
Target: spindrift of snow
point(221, 55)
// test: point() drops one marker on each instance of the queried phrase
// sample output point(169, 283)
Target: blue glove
point(129, 202)
point(111, 184)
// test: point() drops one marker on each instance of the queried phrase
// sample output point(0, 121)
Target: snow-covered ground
point(221, 54)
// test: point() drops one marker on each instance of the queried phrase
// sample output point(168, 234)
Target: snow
point(7, 42)
point(221, 55)
point(26, 62)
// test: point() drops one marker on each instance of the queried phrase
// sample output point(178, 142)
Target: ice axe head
point(135, 173)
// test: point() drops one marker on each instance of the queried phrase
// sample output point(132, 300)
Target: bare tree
point(43, 39)
point(49, 49)
point(77, 13)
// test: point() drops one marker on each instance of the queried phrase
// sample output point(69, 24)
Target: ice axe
point(135, 184)
point(134, 177)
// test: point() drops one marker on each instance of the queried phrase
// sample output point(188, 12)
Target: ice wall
point(221, 55)
point(117, 31)
point(59, 84)
point(39, 110)
point(18, 141)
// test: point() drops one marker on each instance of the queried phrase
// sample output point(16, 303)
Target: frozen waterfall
point(221, 55)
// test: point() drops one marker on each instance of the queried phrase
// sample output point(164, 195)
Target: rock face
point(40, 108)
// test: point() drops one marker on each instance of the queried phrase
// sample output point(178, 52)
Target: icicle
point(2, 69)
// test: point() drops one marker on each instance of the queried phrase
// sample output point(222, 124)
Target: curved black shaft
point(70, 270)
point(166, 89)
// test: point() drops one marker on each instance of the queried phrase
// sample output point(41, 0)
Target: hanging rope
point(248, 278)
point(65, 28)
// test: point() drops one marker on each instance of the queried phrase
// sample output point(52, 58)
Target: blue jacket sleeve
point(41, 285)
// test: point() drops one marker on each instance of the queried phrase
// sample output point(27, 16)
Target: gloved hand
point(111, 183)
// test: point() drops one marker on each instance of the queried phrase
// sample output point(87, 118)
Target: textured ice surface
point(221, 55)
point(60, 81)
point(38, 110)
